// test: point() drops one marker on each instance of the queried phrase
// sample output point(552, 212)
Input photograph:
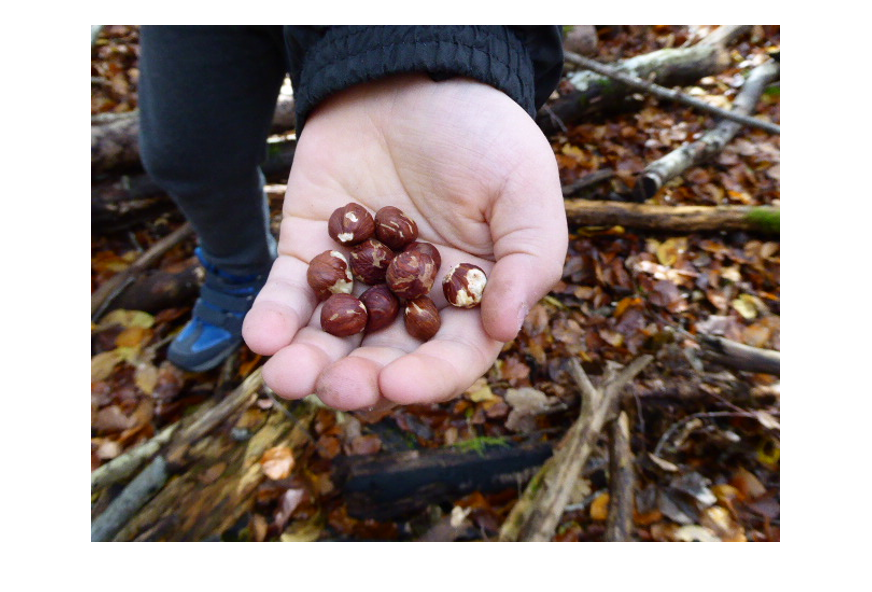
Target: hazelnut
point(428, 249)
point(343, 315)
point(369, 261)
point(394, 228)
point(350, 224)
point(329, 273)
point(422, 318)
point(382, 306)
point(411, 274)
point(464, 285)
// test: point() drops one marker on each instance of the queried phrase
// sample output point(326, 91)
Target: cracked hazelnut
point(411, 274)
point(427, 249)
point(329, 273)
point(351, 224)
point(394, 228)
point(463, 286)
point(369, 261)
point(382, 305)
point(343, 315)
point(422, 318)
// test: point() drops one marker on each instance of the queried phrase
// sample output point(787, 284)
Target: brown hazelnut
point(343, 315)
point(422, 318)
point(394, 228)
point(329, 273)
point(411, 274)
point(382, 306)
point(428, 249)
point(351, 224)
point(464, 285)
point(369, 261)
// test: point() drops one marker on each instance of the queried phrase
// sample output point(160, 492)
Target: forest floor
point(705, 437)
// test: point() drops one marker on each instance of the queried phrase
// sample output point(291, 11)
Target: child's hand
point(479, 178)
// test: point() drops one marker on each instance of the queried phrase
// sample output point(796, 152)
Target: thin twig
point(668, 93)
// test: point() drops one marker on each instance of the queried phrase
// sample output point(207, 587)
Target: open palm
point(479, 178)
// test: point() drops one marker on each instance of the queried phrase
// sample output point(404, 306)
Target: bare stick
point(588, 181)
point(621, 480)
point(537, 514)
point(662, 170)
point(583, 212)
point(101, 297)
point(125, 465)
point(668, 93)
point(134, 496)
point(740, 356)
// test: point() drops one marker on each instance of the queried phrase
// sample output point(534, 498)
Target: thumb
point(530, 242)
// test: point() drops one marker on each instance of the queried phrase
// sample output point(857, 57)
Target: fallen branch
point(586, 181)
point(670, 94)
point(740, 356)
point(125, 465)
point(661, 171)
point(621, 481)
point(103, 295)
point(159, 289)
point(115, 137)
point(763, 219)
point(537, 513)
point(594, 94)
point(129, 501)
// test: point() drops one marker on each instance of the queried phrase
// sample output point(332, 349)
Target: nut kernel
point(329, 273)
point(422, 318)
point(464, 285)
point(411, 274)
point(351, 224)
point(394, 228)
point(343, 315)
point(382, 305)
point(370, 260)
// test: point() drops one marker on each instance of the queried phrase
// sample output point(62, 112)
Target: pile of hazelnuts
point(384, 253)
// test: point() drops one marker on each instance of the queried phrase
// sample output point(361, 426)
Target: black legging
point(207, 96)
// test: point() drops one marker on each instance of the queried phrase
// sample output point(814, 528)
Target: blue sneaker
point(215, 331)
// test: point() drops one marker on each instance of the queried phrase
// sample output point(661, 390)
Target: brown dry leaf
point(669, 250)
point(599, 508)
point(111, 419)
point(366, 444)
point(747, 484)
point(722, 524)
point(277, 462)
point(746, 306)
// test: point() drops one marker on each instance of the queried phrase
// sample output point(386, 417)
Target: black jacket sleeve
point(525, 62)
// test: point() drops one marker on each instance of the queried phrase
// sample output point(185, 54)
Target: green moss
point(480, 443)
point(765, 219)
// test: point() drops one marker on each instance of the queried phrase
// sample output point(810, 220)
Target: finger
point(445, 366)
point(294, 370)
point(529, 228)
point(286, 301)
point(282, 307)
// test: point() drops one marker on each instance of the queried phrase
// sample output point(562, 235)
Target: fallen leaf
point(692, 533)
point(599, 507)
point(277, 462)
point(745, 306)
point(103, 364)
point(480, 391)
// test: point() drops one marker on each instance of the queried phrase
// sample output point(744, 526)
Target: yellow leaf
point(669, 250)
point(480, 391)
point(146, 377)
point(127, 319)
point(133, 337)
point(103, 363)
point(599, 508)
point(745, 306)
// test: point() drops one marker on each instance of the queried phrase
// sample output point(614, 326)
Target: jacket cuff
point(349, 55)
